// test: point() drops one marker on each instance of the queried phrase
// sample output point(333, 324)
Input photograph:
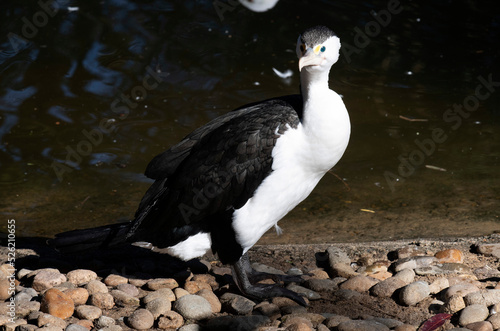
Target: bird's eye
point(302, 48)
point(323, 49)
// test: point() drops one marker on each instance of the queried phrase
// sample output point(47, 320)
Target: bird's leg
point(255, 276)
point(259, 291)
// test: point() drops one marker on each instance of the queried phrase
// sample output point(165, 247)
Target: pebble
point(362, 325)
point(190, 327)
point(75, 327)
point(486, 297)
point(473, 313)
point(104, 321)
point(47, 278)
point(158, 283)
point(320, 285)
point(336, 256)
point(490, 250)
point(212, 299)
point(27, 308)
point(129, 289)
point(259, 267)
point(450, 256)
point(438, 285)
point(81, 276)
point(115, 280)
point(343, 270)
point(88, 312)
point(141, 319)
point(494, 319)
point(415, 292)
point(309, 294)
point(386, 288)
point(409, 251)
point(299, 326)
point(193, 306)
point(44, 319)
point(194, 286)
point(102, 300)
point(78, 295)
point(333, 321)
point(414, 262)
point(171, 321)
point(159, 306)
point(453, 304)
point(480, 326)
point(57, 304)
point(96, 286)
point(236, 304)
point(123, 299)
point(461, 289)
point(359, 283)
point(163, 293)
point(180, 292)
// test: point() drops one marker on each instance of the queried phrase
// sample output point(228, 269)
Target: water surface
point(91, 91)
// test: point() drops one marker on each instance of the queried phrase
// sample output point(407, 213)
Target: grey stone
point(123, 299)
point(159, 306)
point(193, 307)
point(75, 327)
point(96, 286)
point(489, 250)
point(359, 283)
point(87, 312)
point(165, 293)
point(336, 256)
point(141, 319)
point(321, 285)
point(386, 288)
point(236, 304)
point(81, 276)
point(190, 327)
point(415, 292)
point(129, 289)
point(309, 294)
point(267, 269)
point(104, 321)
point(473, 313)
point(414, 262)
point(486, 297)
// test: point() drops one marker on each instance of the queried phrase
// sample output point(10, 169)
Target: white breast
point(300, 159)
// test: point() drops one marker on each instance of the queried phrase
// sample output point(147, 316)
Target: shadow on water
point(91, 91)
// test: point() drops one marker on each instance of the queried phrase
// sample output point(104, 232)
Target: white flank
point(192, 247)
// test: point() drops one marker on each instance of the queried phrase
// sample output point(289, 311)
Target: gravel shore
point(445, 284)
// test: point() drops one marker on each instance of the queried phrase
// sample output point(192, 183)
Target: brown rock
point(319, 274)
point(159, 306)
point(359, 283)
point(212, 299)
point(158, 283)
point(163, 293)
point(58, 304)
point(81, 276)
point(180, 292)
point(193, 286)
point(87, 312)
point(86, 324)
point(141, 319)
point(78, 295)
point(5, 289)
point(480, 326)
point(102, 300)
point(207, 279)
point(170, 320)
point(129, 289)
point(123, 299)
point(44, 319)
point(450, 256)
point(343, 270)
point(289, 320)
point(115, 280)
point(46, 279)
point(96, 286)
point(381, 275)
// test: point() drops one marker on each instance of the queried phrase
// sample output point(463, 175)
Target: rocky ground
point(402, 285)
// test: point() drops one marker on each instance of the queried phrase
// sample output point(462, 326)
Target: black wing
point(212, 171)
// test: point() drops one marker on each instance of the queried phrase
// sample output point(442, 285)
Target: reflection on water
point(90, 92)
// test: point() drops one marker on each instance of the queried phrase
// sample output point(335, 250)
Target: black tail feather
point(94, 238)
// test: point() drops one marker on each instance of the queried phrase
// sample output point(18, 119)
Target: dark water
point(90, 91)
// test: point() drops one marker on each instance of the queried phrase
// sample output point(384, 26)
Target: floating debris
point(412, 119)
point(368, 210)
point(428, 166)
point(286, 74)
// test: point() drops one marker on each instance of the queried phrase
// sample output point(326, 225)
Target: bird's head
point(317, 49)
